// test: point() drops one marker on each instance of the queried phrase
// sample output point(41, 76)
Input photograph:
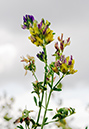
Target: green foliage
point(20, 127)
point(64, 112)
point(7, 118)
point(35, 100)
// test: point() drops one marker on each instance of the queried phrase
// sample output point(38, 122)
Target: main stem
point(40, 107)
point(46, 109)
point(44, 49)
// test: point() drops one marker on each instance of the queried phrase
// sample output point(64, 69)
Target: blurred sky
point(70, 17)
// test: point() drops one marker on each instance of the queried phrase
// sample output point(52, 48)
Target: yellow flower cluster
point(41, 34)
point(62, 64)
point(68, 66)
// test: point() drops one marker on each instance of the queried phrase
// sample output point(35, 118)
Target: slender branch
point(35, 76)
point(59, 80)
point(45, 98)
point(44, 49)
point(40, 107)
point(52, 79)
point(51, 122)
point(47, 102)
point(46, 109)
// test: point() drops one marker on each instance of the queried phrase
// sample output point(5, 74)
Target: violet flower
point(40, 25)
point(44, 31)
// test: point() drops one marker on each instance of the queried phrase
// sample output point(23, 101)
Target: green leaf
point(25, 113)
point(63, 113)
point(45, 119)
point(57, 115)
point(7, 118)
point(59, 86)
point(50, 109)
point(53, 33)
point(56, 89)
point(35, 100)
point(33, 122)
point(20, 127)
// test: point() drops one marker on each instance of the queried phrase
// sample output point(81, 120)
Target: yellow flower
point(67, 59)
point(49, 37)
point(64, 68)
point(31, 31)
point(72, 65)
point(73, 71)
point(37, 43)
point(55, 69)
point(32, 39)
point(39, 40)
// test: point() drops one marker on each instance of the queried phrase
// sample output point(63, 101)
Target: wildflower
point(30, 63)
point(64, 64)
point(41, 56)
point(55, 69)
point(64, 68)
point(56, 46)
point(63, 43)
point(38, 87)
point(44, 31)
point(40, 24)
point(49, 36)
point(68, 65)
point(32, 39)
point(27, 21)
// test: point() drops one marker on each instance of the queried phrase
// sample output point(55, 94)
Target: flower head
point(63, 64)
point(41, 56)
point(63, 43)
point(27, 21)
point(41, 34)
point(30, 63)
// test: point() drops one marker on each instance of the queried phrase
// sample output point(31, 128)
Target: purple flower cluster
point(27, 21)
point(41, 55)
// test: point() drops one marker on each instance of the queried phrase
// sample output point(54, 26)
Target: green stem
point(25, 126)
point(46, 109)
point(59, 80)
point(44, 49)
point(52, 79)
point(50, 122)
point(40, 107)
point(47, 102)
point(35, 76)
point(45, 98)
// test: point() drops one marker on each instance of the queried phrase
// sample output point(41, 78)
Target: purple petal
point(24, 27)
point(71, 57)
point(43, 53)
point(40, 25)
point(44, 31)
point(24, 19)
point(70, 62)
point(37, 55)
point(32, 18)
